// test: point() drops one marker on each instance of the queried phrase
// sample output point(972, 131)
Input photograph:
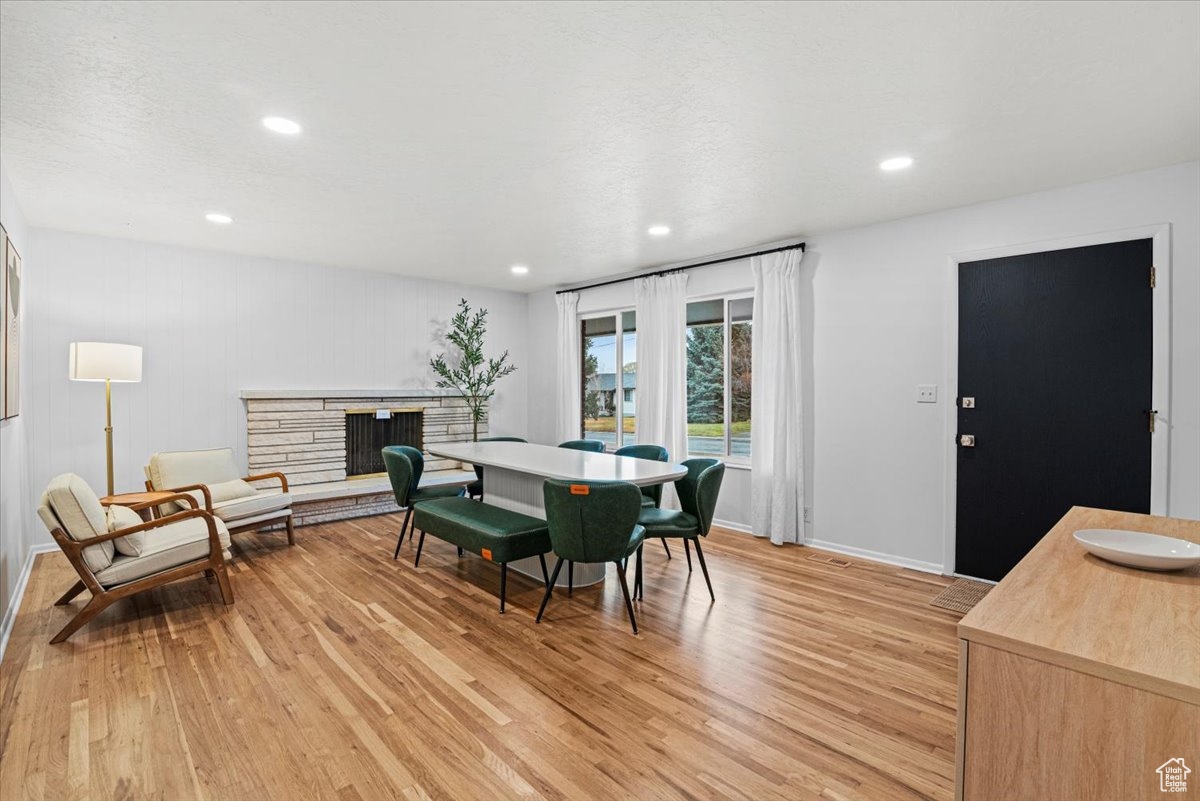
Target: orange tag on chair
point(486, 554)
point(580, 489)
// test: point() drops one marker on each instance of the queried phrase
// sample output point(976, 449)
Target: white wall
point(15, 500)
point(212, 324)
point(877, 459)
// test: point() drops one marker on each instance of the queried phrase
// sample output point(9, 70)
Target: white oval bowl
point(1139, 549)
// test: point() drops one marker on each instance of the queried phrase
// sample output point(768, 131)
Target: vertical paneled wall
point(15, 502)
point(212, 324)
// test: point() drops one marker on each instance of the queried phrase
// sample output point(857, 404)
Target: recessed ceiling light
point(658, 230)
point(519, 269)
point(898, 163)
point(281, 125)
point(218, 218)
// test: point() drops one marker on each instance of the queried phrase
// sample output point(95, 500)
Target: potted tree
point(468, 372)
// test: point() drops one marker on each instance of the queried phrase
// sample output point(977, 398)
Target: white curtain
point(777, 436)
point(661, 397)
point(570, 380)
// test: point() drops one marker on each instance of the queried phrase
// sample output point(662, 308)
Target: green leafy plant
point(468, 372)
point(591, 397)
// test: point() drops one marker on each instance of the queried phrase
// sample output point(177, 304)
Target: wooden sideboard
point(1079, 678)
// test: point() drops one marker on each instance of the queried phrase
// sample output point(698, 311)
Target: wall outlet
point(926, 393)
point(807, 514)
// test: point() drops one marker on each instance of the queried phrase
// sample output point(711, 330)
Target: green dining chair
point(593, 445)
point(404, 467)
point(652, 495)
point(697, 493)
point(475, 488)
point(593, 522)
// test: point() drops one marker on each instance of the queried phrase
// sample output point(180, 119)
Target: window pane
point(706, 378)
point(628, 377)
point(741, 310)
point(706, 311)
point(739, 384)
point(599, 374)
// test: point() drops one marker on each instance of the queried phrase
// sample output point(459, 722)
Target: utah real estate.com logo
point(1173, 776)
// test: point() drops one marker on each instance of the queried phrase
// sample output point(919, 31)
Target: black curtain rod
point(799, 245)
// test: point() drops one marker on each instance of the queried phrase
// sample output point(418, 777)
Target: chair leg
point(403, 526)
point(545, 575)
point(638, 592)
point(420, 545)
point(704, 567)
point(549, 589)
point(688, 552)
point(460, 553)
point(570, 578)
point(665, 548)
point(503, 584)
point(95, 606)
point(223, 584)
point(291, 531)
point(625, 592)
point(79, 587)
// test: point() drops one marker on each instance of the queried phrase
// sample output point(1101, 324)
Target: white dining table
point(515, 472)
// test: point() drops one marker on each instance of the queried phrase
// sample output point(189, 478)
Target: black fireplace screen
point(367, 435)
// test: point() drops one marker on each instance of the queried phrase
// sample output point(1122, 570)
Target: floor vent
point(830, 560)
point(962, 595)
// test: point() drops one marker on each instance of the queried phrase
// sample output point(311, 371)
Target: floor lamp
point(107, 362)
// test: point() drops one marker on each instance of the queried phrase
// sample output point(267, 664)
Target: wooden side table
point(144, 503)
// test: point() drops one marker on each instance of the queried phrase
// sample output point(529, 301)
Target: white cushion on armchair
point(70, 504)
point(170, 546)
point(260, 503)
point(180, 468)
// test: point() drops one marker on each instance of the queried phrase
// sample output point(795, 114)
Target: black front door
point(1054, 376)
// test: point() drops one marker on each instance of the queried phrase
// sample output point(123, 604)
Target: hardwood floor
point(341, 674)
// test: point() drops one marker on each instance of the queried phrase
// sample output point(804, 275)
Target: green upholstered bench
point(498, 535)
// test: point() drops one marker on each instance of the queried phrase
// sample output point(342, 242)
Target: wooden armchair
point(151, 554)
point(212, 478)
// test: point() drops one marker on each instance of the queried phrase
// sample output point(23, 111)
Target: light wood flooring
point(341, 674)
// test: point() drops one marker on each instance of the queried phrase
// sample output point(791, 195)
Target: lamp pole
point(108, 430)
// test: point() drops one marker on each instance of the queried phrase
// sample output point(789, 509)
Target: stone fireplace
point(322, 439)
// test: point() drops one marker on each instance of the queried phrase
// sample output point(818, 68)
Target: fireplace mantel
point(302, 394)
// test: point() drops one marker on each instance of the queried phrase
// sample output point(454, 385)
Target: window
point(610, 378)
point(719, 376)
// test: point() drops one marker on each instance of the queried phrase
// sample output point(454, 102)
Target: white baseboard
point(14, 603)
point(876, 556)
point(861, 553)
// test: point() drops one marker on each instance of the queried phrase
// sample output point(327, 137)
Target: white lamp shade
point(100, 361)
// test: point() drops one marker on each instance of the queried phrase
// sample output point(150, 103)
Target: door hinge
point(1153, 276)
point(1150, 415)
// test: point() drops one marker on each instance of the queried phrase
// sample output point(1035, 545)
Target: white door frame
point(1160, 440)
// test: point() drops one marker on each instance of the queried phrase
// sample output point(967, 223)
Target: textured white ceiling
point(452, 140)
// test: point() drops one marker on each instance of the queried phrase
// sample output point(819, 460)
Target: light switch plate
point(926, 393)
